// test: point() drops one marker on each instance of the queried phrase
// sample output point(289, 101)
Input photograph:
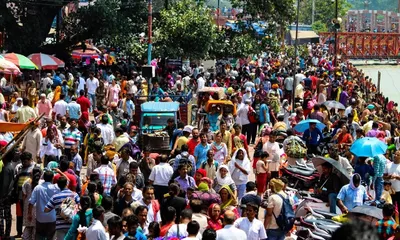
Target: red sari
point(214, 224)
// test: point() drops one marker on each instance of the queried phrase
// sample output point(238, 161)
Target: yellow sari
point(57, 94)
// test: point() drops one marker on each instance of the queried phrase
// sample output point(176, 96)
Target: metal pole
point(295, 55)
point(379, 82)
point(336, 32)
point(218, 13)
point(150, 30)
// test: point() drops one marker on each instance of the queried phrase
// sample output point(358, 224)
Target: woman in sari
point(214, 214)
point(220, 149)
point(228, 200)
point(57, 93)
point(113, 93)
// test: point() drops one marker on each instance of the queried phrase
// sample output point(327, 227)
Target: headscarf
point(213, 223)
point(232, 199)
point(52, 165)
point(203, 187)
point(57, 93)
point(237, 142)
point(352, 186)
point(245, 163)
point(227, 180)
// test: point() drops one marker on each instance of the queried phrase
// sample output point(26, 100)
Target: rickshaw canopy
point(223, 103)
point(211, 90)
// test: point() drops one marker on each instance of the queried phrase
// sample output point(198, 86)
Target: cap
point(42, 95)
point(19, 99)
point(187, 129)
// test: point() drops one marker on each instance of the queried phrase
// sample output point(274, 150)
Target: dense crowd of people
point(202, 188)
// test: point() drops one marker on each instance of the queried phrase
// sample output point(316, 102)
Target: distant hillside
point(388, 5)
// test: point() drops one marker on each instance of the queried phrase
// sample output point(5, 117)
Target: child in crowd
point(262, 173)
point(387, 228)
point(387, 191)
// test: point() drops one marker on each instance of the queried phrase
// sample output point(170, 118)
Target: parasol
point(20, 60)
point(46, 62)
point(338, 169)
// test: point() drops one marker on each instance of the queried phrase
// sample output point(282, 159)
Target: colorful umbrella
point(305, 124)
point(368, 147)
point(20, 60)
point(46, 62)
point(90, 52)
point(8, 67)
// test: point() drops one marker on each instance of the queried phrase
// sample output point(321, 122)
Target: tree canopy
point(324, 11)
point(186, 30)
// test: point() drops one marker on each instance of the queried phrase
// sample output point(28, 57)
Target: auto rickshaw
point(224, 107)
point(203, 96)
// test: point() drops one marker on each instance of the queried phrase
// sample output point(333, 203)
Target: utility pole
point(295, 55)
point(150, 30)
point(219, 12)
point(336, 32)
point(313, 12)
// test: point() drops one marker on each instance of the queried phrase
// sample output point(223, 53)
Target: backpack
point(252, 115)
point(286, 218)
point(185, 160)
point(295, 149)
point(68, 209)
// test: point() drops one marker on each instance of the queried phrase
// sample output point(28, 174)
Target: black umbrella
point(338, 169)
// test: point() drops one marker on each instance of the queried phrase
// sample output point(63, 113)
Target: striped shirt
point(379, 165)
point(71, 137)
point(55, 203)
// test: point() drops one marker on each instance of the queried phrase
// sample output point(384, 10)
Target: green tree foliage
point(184, 30)
point(319, 26)
point(388, 5)
point(324, 11)
point(112, 22)
point(280, 12)
point(27, 23)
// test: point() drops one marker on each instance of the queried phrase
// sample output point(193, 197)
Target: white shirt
point(107, 133)
point(81, 85)
point(242, 117)
point(161, 174)
point(299, 91)
point(229, 232)
point(348, 110)
point(394, 169)
point(255, 230)
point(200, 83)
point(150, 214)
point(173, 231)
point(60, 107)
point(288, 84)
point(3, 82)
point(298, 77)
point(96, 231)
point(92, 85)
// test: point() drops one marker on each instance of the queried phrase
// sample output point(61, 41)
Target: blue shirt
point(74, 110)
point(41, 195)
point(200, 152)
point(314, 136)
point(352, 198)
point(264, 107)
point(56, 80)
point(213, 118)
point(138, 236)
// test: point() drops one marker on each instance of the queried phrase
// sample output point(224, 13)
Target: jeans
point(332, 202)
point(241, 190)
point(378, 187)
point(92, 99)
point(275, 234)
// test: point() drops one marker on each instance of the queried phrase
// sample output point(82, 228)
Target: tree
point(388, 5)
point(184, 30)
point(27, 23)
point(324, 11)
point(319, 26)
point(111, 22)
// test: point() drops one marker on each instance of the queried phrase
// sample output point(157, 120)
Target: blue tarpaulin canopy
point(160, 106)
